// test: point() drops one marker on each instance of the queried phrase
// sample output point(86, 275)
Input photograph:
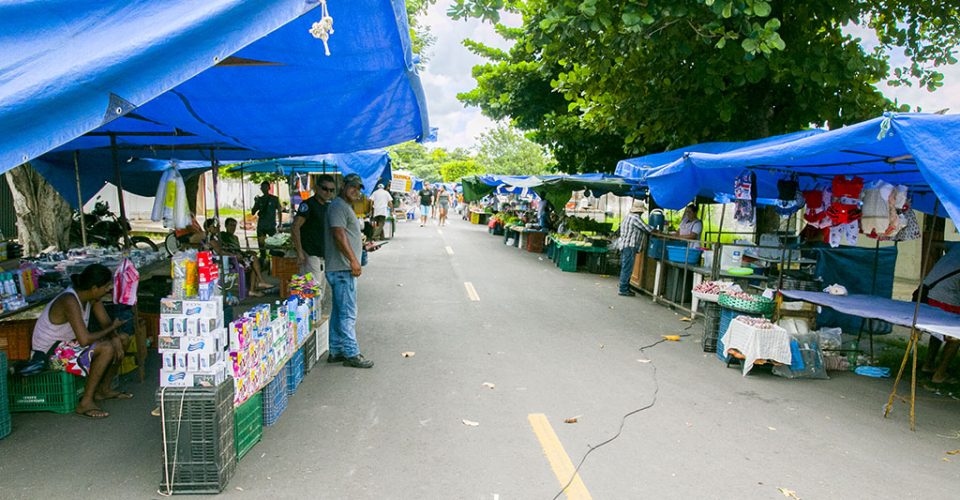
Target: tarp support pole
point(83, 222)
point(914, 341)
point(216, 190)
point(243, 212)
point(119, 181)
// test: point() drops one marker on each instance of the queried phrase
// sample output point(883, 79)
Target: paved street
point(555, 344)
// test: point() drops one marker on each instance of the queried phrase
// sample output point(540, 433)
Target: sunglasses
point(328, 190)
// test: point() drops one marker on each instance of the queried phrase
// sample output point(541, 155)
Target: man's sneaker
point(335, 359)
point(628, 293)
point(358, 361)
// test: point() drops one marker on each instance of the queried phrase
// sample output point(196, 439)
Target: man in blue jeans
point(343, 249)
point(632, 232)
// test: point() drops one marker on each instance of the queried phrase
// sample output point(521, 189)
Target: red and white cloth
point(126, 281)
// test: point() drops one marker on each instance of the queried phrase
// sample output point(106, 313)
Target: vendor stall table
point(756, 344)
point(930, 319)
point(531, 240)
point(477, 217)
point(567, 254)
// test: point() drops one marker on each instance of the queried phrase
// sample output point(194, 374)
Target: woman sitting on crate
point(61, 336)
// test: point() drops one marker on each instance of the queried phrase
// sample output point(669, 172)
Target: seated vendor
point(943, 291)
point(191, 235)
point(61, 336)
point(690, 226)
point(230, 245)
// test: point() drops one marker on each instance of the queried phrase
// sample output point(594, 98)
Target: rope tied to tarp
point(323, 28)
point(885, 126)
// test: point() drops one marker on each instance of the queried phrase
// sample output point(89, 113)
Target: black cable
point(623, 420)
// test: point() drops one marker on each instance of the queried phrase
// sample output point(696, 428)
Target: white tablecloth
point(754, 344)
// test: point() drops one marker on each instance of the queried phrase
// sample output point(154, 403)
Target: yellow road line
point(471, 291)
point(559, 461)
point(449, 250)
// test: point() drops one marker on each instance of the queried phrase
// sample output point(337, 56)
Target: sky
point(449, 72)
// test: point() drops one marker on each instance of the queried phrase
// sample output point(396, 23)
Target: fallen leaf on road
point(644, 360)
point(771, 428)
point(489, 385)
point(686, 318)
point(945, 459)
point(571, 420)
point(789, 493)
point(238, 488)
point(953, 452)
point(611, 307)
point(408, 354)
point(601, 346)
point(399, 284)
point(471, 423)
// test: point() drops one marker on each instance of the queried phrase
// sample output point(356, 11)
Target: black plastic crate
point(197, 423)
point(711, 326)
point(310, 353)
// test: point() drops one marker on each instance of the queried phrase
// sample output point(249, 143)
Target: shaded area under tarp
point(372, 166)
point(853, 268)
point(243, 79)
point(557, 189)
point(914, 149)
point(139, 176)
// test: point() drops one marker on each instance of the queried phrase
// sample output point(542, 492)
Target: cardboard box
point(216, 375)
point(212, 308)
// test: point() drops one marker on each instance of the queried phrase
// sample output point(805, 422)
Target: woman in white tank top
point(61, 334)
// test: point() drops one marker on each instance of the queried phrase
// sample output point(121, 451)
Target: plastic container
point(198, 449)
point(248, 424)
point(711, 327)
point(55, 391)
point(310, 353)
point(295, 372)
point(683, 254)
point(275, 398)
point(731, 256)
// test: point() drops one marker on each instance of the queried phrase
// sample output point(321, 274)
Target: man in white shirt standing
point(382, 203)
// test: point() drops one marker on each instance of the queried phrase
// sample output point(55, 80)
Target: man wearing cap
point(344, 247)
point(632, 234)
point(382, 203)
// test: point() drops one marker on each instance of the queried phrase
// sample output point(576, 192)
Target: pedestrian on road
point(308, 228)
point(344, 247)
point(426, 202)
point(268, 208)
point(382, 203)
point(633, 232)
point(443, 201)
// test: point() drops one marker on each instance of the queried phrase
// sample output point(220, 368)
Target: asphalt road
point(554, 346)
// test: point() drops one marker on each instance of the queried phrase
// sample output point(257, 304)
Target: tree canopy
point(598, 80)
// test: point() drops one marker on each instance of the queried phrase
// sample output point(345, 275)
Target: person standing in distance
point(344, 245)
point(426, 202)
point(382, 203)
point(267, 206)
point(308, 228)
point(633, 232)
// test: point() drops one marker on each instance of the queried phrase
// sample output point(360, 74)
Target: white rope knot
point(323, 28)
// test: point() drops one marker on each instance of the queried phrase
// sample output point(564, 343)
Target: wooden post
point(215, 167)
point(119, 181)
point(83, 222)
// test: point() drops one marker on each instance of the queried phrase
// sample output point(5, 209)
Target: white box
point(216, 375)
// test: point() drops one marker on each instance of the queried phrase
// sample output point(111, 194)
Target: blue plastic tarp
point(638, 168)
point(139, 176)
point(372, 166)
point(918, 150)
point(245, 79)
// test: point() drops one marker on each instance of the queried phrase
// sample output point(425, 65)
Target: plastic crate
point(16, 337)
point(711, 326)
point(198, 450)
point(4, 405)
point(275, 398)
point(55, 391)
point(310, 354)
point(295, 372)
point(248, 424)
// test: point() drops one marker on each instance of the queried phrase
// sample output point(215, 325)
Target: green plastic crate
point(4, 406)
point(54, 391)
point(248, 424)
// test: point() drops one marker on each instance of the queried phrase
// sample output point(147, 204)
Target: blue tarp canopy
point(638, 168)
point(921, 151)
point(371, 166)
point(180, 78)
point(139, 176)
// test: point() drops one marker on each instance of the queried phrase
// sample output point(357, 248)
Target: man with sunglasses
point(307, 232)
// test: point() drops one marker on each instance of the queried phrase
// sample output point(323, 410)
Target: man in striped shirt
point(633, 233)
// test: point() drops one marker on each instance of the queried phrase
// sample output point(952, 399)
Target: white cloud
point(448, 73)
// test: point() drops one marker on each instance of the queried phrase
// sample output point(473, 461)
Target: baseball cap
point(353, 180)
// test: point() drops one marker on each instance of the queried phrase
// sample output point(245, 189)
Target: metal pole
point(83, 222)
point(119, 181)
point(243, 211)
point(215, 167)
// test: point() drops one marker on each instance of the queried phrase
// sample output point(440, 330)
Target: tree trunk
point(43, 216)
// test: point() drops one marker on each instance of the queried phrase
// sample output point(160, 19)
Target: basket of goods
point(745, 302)
point(709, 291)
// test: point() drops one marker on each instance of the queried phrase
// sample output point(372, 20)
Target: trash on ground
point(408, 354)
point(489, 385)
point(471, 423)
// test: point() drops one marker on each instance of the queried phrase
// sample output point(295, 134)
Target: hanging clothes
point(745, 197)
point(876, 208)
point(911, 227)
point(817, 201)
